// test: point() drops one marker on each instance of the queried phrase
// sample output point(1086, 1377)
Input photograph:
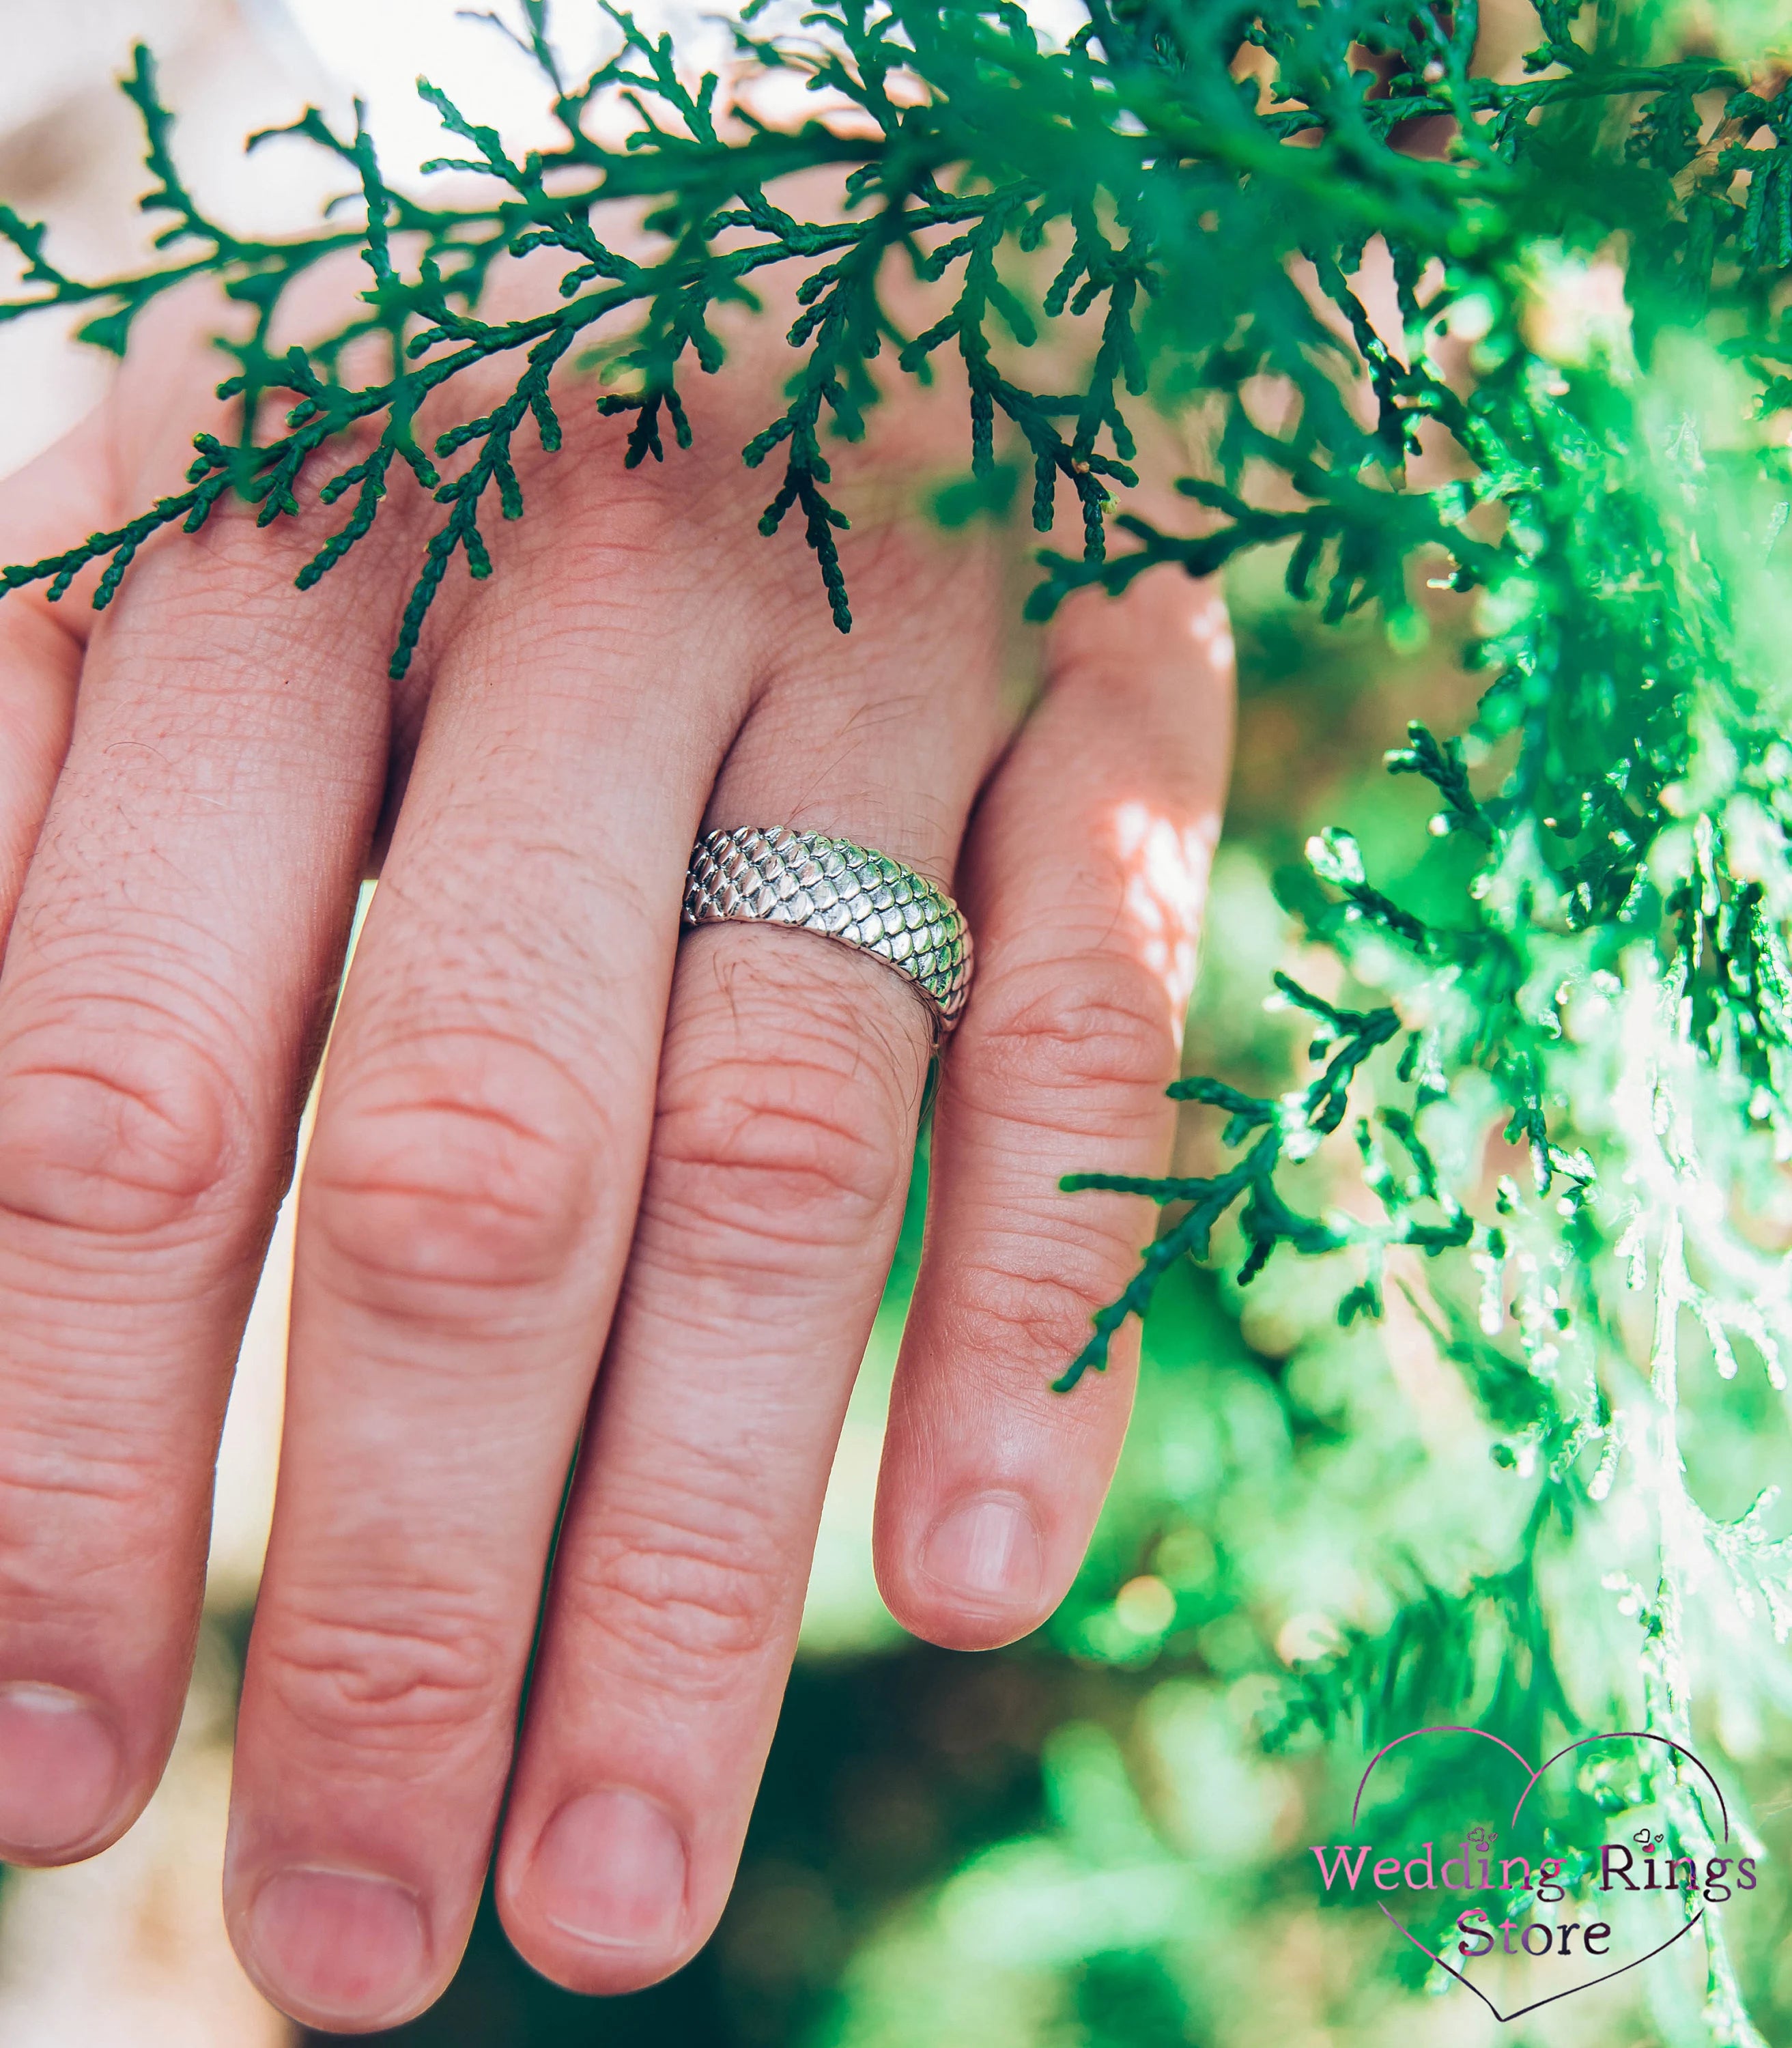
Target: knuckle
point(385, 1680)
point(1099, 1021)
point(768, 1153)
point(80, 1516)
point(240, 573)
point(1034, 1295)
point(124, 1127)
point(474, 1171)
point(678, 1605)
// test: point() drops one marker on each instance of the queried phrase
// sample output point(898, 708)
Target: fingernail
point(337, 1944)
point(60, 1766)
point(986, 1548)
point(610, 1869)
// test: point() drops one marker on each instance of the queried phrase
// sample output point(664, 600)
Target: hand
point(550, 1131)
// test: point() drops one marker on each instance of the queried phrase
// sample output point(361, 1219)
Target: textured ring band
point(842, 891)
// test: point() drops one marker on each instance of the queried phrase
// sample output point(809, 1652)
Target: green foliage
point(1523, 340)
point(1291, 1128)
point(1170, 202)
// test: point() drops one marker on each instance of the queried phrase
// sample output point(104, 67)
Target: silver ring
point(841, 891)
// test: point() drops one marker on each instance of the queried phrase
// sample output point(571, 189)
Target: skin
point(577, 1186)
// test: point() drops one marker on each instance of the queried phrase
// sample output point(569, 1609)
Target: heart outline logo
point(1531, 1779)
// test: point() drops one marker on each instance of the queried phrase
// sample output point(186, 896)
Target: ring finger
point(790, 1083)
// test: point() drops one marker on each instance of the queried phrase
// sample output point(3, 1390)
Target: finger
point(463, 1220)
point(1084, 879)
point(132, 450)
point(789, 1088)
point(159, 1007)
point(48, 505)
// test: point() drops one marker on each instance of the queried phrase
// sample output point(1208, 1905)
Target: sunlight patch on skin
point(1210, 628)
point(1165, 862)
